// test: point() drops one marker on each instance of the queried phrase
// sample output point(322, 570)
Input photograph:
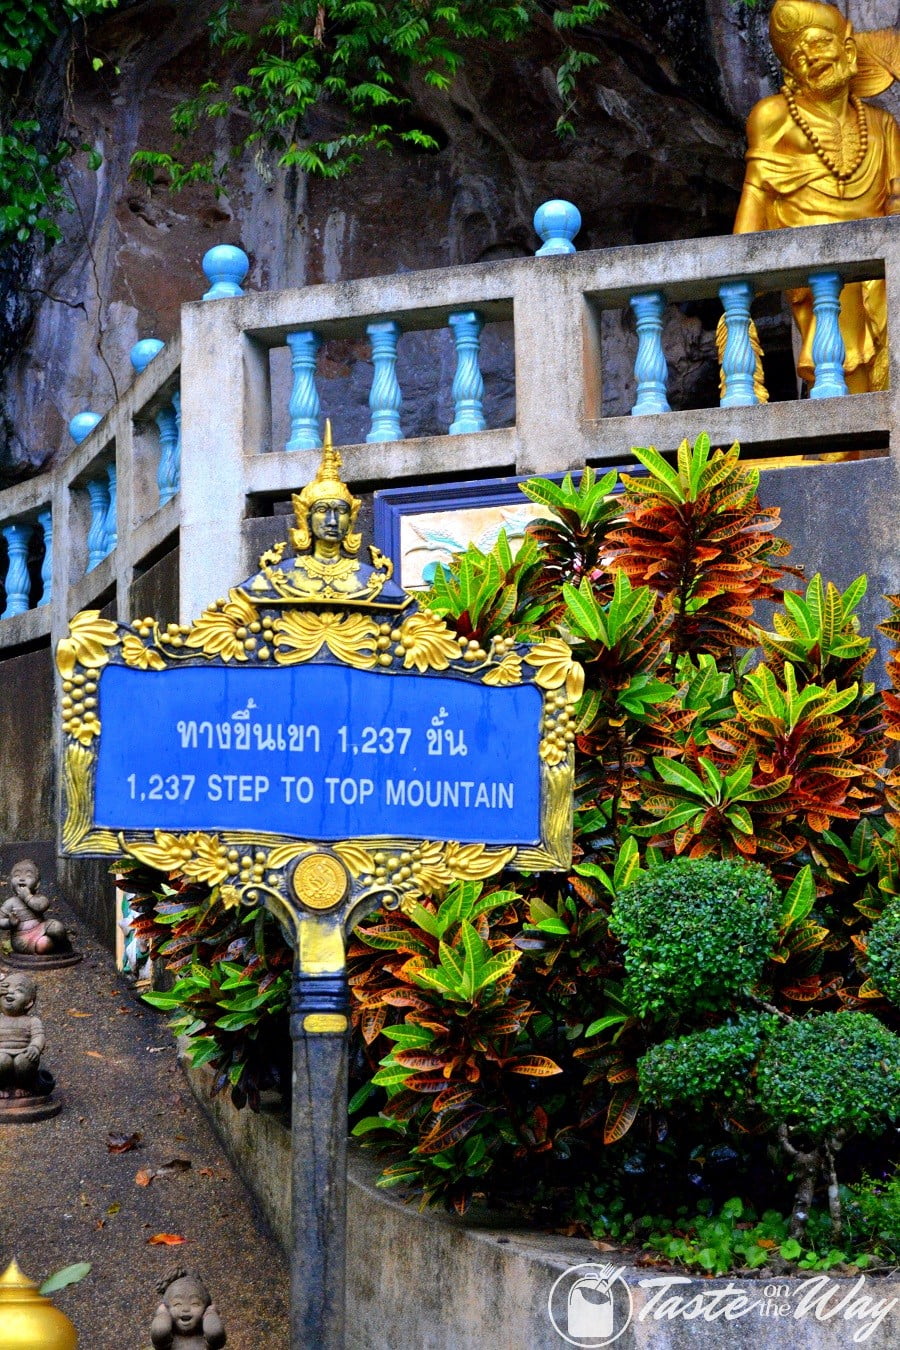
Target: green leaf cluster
point(696, 935)
point(831, 1074)
point(352, 56)
point(705, 1067)
point(883, 953)
point(31, 191)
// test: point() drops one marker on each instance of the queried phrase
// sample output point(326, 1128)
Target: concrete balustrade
point(216, 376)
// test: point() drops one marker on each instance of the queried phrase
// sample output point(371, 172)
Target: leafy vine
point(353, 54)
point(31, 191)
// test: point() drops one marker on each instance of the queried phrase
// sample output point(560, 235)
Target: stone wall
point(432, 1281)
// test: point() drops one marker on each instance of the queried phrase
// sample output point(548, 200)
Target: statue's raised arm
point(817, 154)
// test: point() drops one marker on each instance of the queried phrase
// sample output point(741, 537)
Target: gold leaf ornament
point(134, 653)
point(555, 667)
point(475, 862)
point(428, 644)
point(433, 875)
point(202, 857)
point(358, 860)
point(352, 638)
point(224, 630)
point(508, 672)
point(89, 637)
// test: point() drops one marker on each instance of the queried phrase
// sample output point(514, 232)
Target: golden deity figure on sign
point(817, 155)
point(326, 565)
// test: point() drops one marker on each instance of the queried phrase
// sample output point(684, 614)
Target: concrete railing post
point(468, 384)
point(385, 396)
point(17, 583)
point(738, 358)
point(304, 408)
point(225, 401)
point(827, 343)
point(650, 369)
point(45, 520)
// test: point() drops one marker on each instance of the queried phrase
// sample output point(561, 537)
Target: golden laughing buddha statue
point(817, 155)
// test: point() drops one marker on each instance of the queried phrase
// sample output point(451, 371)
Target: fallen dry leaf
point(122, 1143)
point(205, 1172)
point(76, 1012)
point(173, 1166)
point(114, 1208)
point(94, 1054)
point(165, 1240)
point(143, 1177)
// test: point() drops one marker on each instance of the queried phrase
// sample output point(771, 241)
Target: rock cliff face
point(658, 155)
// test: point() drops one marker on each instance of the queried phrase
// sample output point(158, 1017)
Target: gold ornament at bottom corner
point(28, 1320)
point(320, 881)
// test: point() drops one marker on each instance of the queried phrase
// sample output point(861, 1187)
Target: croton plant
point(516, 1036)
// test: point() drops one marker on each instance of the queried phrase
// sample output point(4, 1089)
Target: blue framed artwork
point(422, 527)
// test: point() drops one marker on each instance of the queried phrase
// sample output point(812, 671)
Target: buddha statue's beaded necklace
point(862, 131)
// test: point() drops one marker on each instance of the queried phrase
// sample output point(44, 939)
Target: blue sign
point(319, 752)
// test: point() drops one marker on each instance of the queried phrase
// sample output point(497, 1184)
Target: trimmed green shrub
point(883, 953)
point(696, 934)
point(705, 1066)
point(831, 1073)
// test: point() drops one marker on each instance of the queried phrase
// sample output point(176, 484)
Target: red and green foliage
point(696, 533)
point(497, 1025)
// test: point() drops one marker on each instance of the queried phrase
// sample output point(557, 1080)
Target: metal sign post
point(317, 744)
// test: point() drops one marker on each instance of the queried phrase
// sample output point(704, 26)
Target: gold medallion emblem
point(320, 881)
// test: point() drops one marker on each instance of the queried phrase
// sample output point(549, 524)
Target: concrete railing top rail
point(231, 471)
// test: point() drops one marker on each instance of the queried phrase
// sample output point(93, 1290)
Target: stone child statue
point(187, 1318)
point(817, 155)
point(22, 915)
point(21, 1034)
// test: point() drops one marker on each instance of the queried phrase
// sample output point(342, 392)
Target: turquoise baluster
point(167, 475)
point(650, 369)
point(385, 398)
point(468, 385)
point(557, 222)
point(18, 582)
point(176, 404)
point(304, 407)
point(738, 358)
point(82, 424)
point(111, 524)
point(143, 352)
point(225, 266)
point(827, 344)
point(98, 492)
point(45, 520)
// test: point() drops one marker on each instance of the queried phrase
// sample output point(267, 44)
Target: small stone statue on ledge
point(187, 1318)
point(35, 941)
point(25, 1088)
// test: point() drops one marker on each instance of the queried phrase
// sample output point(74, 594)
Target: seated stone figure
point(21, 1034)
point(187, 1318)
point(25, 1088)
point(22, 915)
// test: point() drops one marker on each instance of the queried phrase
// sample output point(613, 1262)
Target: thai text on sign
point(320, 751)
